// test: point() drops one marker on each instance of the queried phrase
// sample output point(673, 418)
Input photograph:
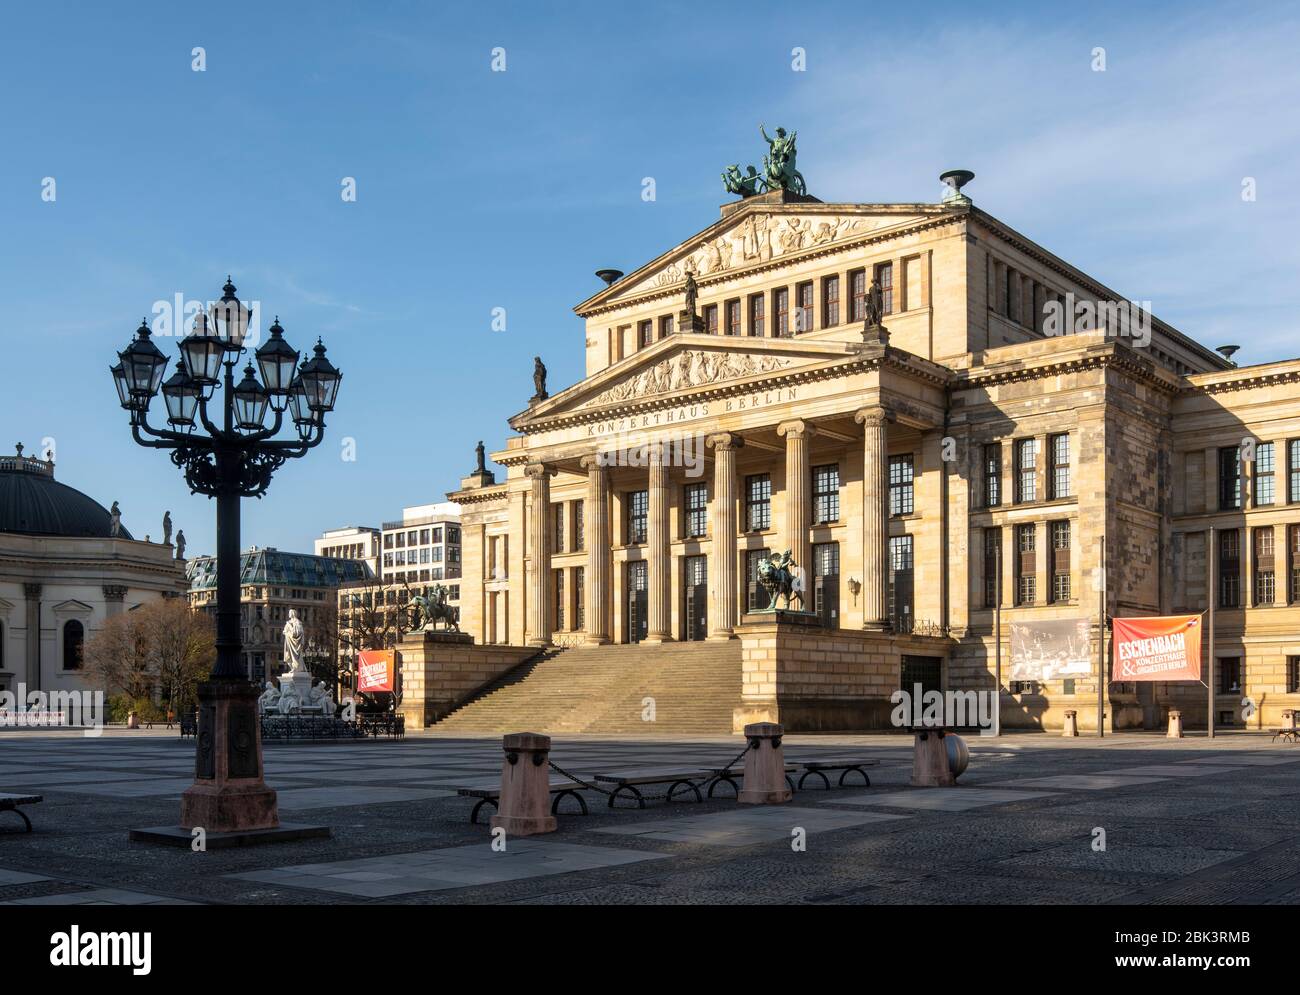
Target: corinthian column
point(600, 570)
point(875, 517)
point(797, 434)
point(657, 598)
point(722, 569)
point(539, 553)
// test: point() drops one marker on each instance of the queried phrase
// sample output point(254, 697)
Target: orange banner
point(375, 670)
point(1157, 649)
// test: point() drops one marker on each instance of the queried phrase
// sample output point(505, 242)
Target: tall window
point(885, 274)
point(579, 527)
point(645, 333)
point(1292, 674)
point(558, 543)
point(1265, 576)
point(831, 301)
point(1265, 465)
point(756, 598)
point(1229, 674)
point(697, 510)
point(580, 597)
point(992, 565)
point(1058, 475)
point(638, 507)
point(803, 297)
point(901, 496)
point(559, 599)
point(900, 582)
point(992, 475)
point(1060, 562)
point(1026, 566)
point(1229, 569)
point(1293, 551)
point(1026, 470)
point(858, 295)
point(1229, 478)
point(665, 326)
point(757, 318)
point(74, 635)
point(758, 502)
point(781, 305)
point(826, 493)
point(733, 317)
point(711, 319)
point(1293, 470)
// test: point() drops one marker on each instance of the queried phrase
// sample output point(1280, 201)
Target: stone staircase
point(695, 687)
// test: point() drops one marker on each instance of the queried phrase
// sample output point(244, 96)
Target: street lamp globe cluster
point(227, 450)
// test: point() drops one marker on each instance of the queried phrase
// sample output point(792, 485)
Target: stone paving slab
point(341, 796)
point(745, 827)
point(19, 877)
point(942, 799)
point(1243, 759)
point(1130, 858)
point(1078, 782)
point(380, 775)
point(43, 779)
point(452, 867)
point(101, 896)
point(1172, 770)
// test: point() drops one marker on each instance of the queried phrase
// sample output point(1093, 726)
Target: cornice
point(1134, 366)
point(1248, 381)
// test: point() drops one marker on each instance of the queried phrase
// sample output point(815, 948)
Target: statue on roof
point(180, 545)
point(745, 184)
point(115, 521)
point(779, 172)
point(539, 379)
point(692, 291)
point(167, 528)
point(479, 455)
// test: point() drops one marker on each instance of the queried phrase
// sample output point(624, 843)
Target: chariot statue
point(745, 184)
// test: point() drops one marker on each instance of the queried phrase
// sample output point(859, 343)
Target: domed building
point(66, 565)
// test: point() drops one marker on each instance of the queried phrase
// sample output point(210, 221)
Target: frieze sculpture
point(539, 380)
point(779, 576)
point(690, 368)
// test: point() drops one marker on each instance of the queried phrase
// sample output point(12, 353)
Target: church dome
point(32, 502)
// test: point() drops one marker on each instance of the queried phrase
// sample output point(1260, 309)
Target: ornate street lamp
point(227, 452)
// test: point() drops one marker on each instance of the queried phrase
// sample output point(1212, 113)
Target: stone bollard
point(524, 808)
point(1175, 724)
point(765, 782)
point(1071, 723)
point(930, 764)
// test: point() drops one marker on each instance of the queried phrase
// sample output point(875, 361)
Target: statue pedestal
point(690, 323)
point(297, 683)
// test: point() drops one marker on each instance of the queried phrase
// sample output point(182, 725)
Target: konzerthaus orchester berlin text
point(932, 414)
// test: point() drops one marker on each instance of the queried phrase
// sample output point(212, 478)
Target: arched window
point(74, 634)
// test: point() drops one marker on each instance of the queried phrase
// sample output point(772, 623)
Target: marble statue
point(115, 521)
point(269, 700)
point(321, 698)
point(167, 528)
point(293, 642)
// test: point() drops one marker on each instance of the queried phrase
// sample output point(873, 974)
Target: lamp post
point(226, 451)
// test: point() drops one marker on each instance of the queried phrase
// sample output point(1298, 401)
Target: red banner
point(375, 670)
point(1157, 649)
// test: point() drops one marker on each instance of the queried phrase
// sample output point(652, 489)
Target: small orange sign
point(375, 670)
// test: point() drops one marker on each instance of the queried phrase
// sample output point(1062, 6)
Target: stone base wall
point(812, 679)
point(440, 671)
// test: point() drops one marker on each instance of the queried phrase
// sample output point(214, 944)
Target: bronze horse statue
point(426, 613)
point(778, 576)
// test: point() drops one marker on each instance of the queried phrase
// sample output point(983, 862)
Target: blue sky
point(478, 190)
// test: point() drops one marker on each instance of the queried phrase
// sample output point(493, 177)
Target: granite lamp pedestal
point(228, 794)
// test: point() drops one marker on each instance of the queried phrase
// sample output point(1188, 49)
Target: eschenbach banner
point(375, 670)
point(1157, 649)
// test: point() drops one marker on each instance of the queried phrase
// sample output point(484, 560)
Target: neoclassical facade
point(972, 449)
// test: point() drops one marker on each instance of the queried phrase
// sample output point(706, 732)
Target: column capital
point(725, 441)
point(592, 461)
point(874, 416)
point(114, 592)
point(32, 590)
point(795, 428)
point(537, 470)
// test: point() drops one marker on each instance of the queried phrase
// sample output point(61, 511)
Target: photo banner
point(1166, 648)
point(375, 670)
point(1051, 650)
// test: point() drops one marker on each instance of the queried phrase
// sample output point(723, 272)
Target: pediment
point(71, 607)
point(759, 236)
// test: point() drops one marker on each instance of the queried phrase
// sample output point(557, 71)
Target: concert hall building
point(982, 445)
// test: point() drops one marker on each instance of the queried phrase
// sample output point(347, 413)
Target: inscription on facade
point(688, 412)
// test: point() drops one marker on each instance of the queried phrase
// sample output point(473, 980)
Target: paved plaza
point(1185, 821)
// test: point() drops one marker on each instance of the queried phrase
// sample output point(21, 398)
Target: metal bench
point(10, 803)
point(1287, 733)
point(732, 776)
point(492, 796)
point(844, 765)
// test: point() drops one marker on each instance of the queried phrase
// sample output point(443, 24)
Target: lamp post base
point(228, 794)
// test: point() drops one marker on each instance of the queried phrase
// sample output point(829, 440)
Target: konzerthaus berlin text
point(975, 447)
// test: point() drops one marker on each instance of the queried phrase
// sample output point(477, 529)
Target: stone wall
point(441, 670)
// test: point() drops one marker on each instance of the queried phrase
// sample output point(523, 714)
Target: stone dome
point(32, 502)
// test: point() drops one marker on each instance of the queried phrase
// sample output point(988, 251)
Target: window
point(645, 333)
point(388, 541)
point(1060, 562)
point(781, 305)
point(900, 583)
point(558, 535)
point(1229, 478)
point(1229, 675)
point(1293, 550)
point(1229, 569)
point(885, 274)
point(756, 598)
point(711, 319)
point(757, 320)
point(992, 567)
point(559, 599)
point(580, 597)
point(74, 635)
point(437, 535)
point(1026, 572)
point(453, 533)
point(1058, 471)
point(733, 317)
point(1265, 577)
point(1264, 467)
point(1293, 470)
point(901, 496)
point(638, 508)
point(992, 475)
point(579, 528)
point(858, 295)
point(1292, 674)
point(830, 301)
point(1026, 470)
point(826, 493)
point(665, 326)
point(758, 502)
point(803, 318)
point(697, 510)
point(825, 584)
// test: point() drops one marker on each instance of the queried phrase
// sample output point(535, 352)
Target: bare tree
point(162, 648)
point(117, 656)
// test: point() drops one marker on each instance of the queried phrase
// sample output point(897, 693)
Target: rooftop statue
point(745, 184)
point(779, 172)
point(539, 379)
